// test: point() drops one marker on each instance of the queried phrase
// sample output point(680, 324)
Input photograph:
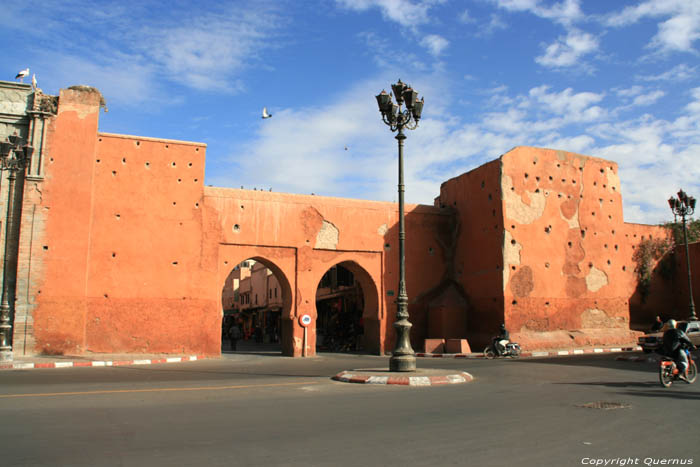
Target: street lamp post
point(13, 158)
point(683, 206)
point(403, 358)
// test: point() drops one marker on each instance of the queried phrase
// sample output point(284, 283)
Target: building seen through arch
point(339, 304)
point(252, 299)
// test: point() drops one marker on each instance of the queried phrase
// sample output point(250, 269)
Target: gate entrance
point(340, 306)
point(252, 301)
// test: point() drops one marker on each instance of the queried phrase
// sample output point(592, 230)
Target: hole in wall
point(123, 160)
point(46, 247)
point(514, 302)
point(174, 263)
point(98, 161)
point(237, 228)
point(138, 143)
point(148, 165)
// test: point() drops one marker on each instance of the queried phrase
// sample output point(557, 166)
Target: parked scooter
point(668, 371)
point(512, 350)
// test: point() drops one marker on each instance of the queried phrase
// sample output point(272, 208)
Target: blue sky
point(611, 79)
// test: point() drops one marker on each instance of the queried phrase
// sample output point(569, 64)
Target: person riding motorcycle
point(674, 341)
point(500, 341)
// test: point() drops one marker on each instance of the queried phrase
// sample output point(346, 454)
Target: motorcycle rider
point(674, 341)
point(500, 341)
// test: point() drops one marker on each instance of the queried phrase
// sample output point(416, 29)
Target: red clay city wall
point(475, 249)
point(126, 266)
point(679, 308)
point(569, 275)
point(135, 250)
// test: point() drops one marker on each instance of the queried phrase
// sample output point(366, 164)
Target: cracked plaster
point(327, 237)
point(516, 209)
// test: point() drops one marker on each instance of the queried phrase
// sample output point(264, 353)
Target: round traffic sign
point(305, 320)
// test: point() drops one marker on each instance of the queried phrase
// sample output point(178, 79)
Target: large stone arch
point(282, 262)
point(366, 267)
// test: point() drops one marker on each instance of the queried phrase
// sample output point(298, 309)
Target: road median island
point(421, 377)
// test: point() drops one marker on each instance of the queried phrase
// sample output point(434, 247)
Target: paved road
point(249, 410)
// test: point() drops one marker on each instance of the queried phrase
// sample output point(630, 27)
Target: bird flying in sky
point(265, 114)
point(22, 74)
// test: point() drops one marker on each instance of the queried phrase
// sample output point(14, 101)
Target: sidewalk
point(92, 360)
point(104, 360)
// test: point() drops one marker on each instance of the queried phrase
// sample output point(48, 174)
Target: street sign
point(305, 320)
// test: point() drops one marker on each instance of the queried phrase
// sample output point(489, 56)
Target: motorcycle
point(512, 350)
point(668, 371)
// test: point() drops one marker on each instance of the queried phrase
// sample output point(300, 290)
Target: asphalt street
point(261, 409)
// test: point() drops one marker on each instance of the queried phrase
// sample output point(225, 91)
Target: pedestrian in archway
point(234, 333)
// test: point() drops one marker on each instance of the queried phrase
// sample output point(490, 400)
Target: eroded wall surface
point(568, 275)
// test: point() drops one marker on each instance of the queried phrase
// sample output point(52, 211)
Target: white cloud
point(648, 99)
point(680, 72)
point(566, 12)
point(675, 34)
point(407, 13)
point(435, 44)
point(567, 51)
point(200, 50)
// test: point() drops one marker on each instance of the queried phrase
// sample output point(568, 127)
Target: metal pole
point(687, 261)
point(5, 326)
point(403, 358)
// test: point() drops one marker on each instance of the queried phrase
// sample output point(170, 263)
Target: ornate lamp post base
point(402, 363)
